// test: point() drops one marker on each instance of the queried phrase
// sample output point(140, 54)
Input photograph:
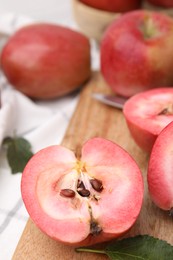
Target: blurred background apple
point(164, 3)
point(113, 5)
point(137, 52)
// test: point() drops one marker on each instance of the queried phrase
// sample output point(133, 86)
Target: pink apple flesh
point(147, 113)
point(106, 213)
point(160, 175)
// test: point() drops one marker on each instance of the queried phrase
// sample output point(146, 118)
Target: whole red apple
point(147, 113)
point(160, 175)
point(46, 61)
point(113, 5)
point(84, 200)
point(137, 52)
point(164, 3)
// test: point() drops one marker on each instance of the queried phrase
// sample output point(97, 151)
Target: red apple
point(147, 113)
point(164, 3)
point(86, 200)
point(160, 174)
point(137, 52)
point(44, 60)
point(113, 5)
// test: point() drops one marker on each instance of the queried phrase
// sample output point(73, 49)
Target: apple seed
point(167, 111)
point(80, 185)
point(67, 193)
point(96, 184)
point(163, 112)
point(84, 192)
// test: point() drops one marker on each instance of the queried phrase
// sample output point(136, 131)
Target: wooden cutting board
point(91, 119)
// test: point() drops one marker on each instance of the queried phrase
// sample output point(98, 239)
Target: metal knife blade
point(115, 101)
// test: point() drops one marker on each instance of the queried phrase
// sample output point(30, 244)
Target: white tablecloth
point(42, 123)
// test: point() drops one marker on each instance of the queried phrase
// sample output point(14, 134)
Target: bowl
point(91, 21)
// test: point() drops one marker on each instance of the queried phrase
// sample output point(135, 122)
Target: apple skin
point(113, 5)
point(69, 220)
point(144, 118)
point(164, 3)
point(137, 52)
point(160, 175)
point(43, 60)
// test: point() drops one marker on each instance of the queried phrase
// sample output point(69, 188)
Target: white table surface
point(13, 215)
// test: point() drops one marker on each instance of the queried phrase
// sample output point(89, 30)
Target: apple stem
point(149, 29)
point(89, 250)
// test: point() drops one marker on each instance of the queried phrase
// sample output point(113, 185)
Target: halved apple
point(160, 175)
point(86, 200)
point(147, 113)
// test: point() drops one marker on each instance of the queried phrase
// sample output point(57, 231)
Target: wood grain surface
point(91, 119)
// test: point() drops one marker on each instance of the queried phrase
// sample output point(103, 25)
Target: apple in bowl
point(86, 198)
point(137, 52)
point(163, 3)
point(113, 5)
point(147, 113)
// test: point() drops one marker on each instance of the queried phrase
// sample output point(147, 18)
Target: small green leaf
point(18, 153)
point(140, 247)
point(8, 140)
point(136, 248)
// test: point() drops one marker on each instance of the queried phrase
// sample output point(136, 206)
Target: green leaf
point(18, 153)
point(136, 248)
point(140, 247)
